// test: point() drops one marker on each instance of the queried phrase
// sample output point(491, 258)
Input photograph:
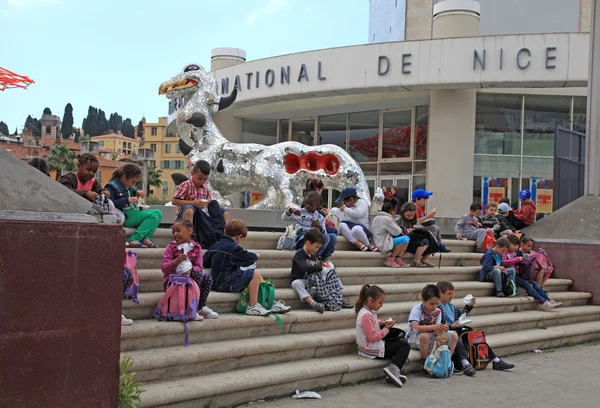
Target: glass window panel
point(422, 123)
point(497, 166)
point(396, 134)
point(542, 115)
point(391, 169)
point(419, 182)
point(498, 124)
point(580, 113)
point(332, 130)
point(369, 169)
point(538, 167)
point(477, 190)
point(284, 126)
point(262, 131)
point(303, 131)
point(364, 136)
point(420, 167)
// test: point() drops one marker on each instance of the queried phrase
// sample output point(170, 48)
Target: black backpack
point(508, 287)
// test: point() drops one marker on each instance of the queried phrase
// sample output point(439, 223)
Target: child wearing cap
point(426, 219)
point(503, 215)
point(354, 212)
point(526, 215)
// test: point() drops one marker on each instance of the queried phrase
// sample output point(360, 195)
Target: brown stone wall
point(578, 262)
point(60, 306)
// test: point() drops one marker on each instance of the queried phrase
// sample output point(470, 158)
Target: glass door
point(401, 184)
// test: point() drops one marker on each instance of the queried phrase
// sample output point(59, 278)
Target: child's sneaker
point(319, 307)
point(391, 262)
point(125, 321)
point(546, 306)
point(393, 372)
point(346, 304)
point(257, 310)
point(554, 303)
point(280, 307)
point(401, 263)
point(198, 317)
point(468, 370)
point(479, 249)
point(500, 294)
point(502, 365)
point(208, 313)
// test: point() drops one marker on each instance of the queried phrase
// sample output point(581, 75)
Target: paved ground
point(562, 378)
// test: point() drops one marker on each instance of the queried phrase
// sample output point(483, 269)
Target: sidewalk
point(560, 378)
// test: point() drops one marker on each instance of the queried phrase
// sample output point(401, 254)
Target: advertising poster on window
point(495, 194)
point(543, 201)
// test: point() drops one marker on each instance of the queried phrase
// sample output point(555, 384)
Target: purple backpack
point(131, 265)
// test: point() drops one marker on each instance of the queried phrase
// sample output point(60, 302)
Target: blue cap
point(420, 193)
point(525, 194)
point(346, 193)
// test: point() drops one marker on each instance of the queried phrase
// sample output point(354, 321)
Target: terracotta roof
point(116, 136)
point(108, 163)
point(49, 141)
point(24, 152)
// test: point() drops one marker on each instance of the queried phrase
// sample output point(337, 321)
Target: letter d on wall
point(383, 65)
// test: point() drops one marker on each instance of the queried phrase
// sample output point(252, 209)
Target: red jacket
point(527, 213)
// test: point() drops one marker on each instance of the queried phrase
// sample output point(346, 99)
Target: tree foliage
point(34, 125)
point(47, 111)
point(61, 159)
point(128, 130)
point(140, 131)
point(4, 129)
point(67, 122)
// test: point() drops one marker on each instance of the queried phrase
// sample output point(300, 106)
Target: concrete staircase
point(236, 359)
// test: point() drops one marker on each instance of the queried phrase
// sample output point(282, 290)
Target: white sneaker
point(125, 321)
point(546, 306)
point(208, 313)
point(257, 310)
point(280, 307)
point(198, 317)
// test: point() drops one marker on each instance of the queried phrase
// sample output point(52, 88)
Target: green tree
point(67, 122)
point(4, 129)
point(154, 176)
point(16, 132)
point(127, 129)
point(61, 159)
point(47, 111)
point(140, 132)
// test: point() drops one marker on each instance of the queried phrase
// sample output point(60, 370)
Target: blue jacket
point(224, 259)
point(119, 194)
point(488, 262)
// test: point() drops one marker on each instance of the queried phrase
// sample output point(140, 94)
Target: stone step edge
point(148, 327)
point(211, 386)
point(198, 353)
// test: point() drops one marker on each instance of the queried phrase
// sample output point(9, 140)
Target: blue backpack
point(439, 363)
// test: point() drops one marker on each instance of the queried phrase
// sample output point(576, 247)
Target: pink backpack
point(131, 264)
point(544, 262)
point(180, 301)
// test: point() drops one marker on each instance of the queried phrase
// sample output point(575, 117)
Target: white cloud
point(271, 8)
point(25, 3)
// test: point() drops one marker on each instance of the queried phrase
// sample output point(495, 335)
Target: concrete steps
point(238, 358)
point(280, 379)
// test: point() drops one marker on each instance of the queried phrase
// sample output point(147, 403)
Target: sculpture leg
point(216, 195)
point(274, 199)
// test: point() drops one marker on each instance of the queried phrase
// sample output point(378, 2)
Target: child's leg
point(127, 280)
point(187, 212)
point(452, 340)
point(424, 344)
point(496, 277)
point(253, 287)
point(400, 245)
point(299, 286)
point(419, 252)
point(359, 234)
point(345, 230)
point(146, 222)
point(511, 273)
point(541, 292)
point(330, 249)
point(204, 282)
point(539, 278)
point(324, 246)
point(398, 350)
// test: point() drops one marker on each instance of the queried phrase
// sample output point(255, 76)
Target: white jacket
point(359, 214)
point(384, 230)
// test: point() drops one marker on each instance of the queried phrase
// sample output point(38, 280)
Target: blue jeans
point(496, 277)
point(326, 249)
point(533, 289)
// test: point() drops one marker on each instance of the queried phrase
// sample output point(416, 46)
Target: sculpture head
point(198, 90)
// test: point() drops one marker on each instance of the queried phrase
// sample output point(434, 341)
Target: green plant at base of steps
point(460, 261)
point(542, 324)
point(129, 390)
point(515, 309)
point(211, 404)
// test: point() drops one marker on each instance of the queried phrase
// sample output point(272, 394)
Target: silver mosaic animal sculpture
point(279, 172)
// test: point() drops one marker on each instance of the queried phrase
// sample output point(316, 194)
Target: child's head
point(87, 166)
point(408, 211)
point(524, 195)
point(129, 174)
point(370, 296)
point(514, 242)
point(430, 297)
point(313, 240)
point(390, 206)
point(40, 164)
point(182, 231)
point(501, 246)
point(312, 201)
point(200, 172)
point(420, 197)
point(475, 210)
point(446, 291)
point(527, 244)
point(491, 209)
point(504, 200)
point(393, 189)
point(348, 197)
point(236, 228)
point(504, 209)
point(314, 184)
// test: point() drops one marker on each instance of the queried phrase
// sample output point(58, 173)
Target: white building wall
point(386, 20)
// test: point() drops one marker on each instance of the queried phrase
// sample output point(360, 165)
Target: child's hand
point(325, 211)
point(105, 192)
point(294, 211)
point(91, 195)
point(189, 271)
point(199, 203)
point(502, 269)
point(458, 236)
point(133, 200)
point(389, 323)
point(473, 301)
point(257, 256)
point(140, 193)
point(521, 258)
point(432, 213)
point(342, 207)
point(315, 224)
point(456, 325)
point(179, 259)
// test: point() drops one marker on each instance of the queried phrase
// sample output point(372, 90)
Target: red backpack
point(180, 301)
point(479, 351)
point(535, 262)
point(489, 241)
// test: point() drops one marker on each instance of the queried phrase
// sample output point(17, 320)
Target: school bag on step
point(328, 288)
point(287, 241)
point(180, 301)
point(439, 363)
point(535, 262)
point(509, 289)
point(477, 347)
point(131, 265)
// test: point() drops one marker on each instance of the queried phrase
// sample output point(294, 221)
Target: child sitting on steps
point(184, 257)
point(83, 182)
point(305, 262)
point(388, 236)
point(377, 338)
point(233, 268)
point(469, 227)
point(491, 266)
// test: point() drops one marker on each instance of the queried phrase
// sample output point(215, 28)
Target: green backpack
point(266, 296)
